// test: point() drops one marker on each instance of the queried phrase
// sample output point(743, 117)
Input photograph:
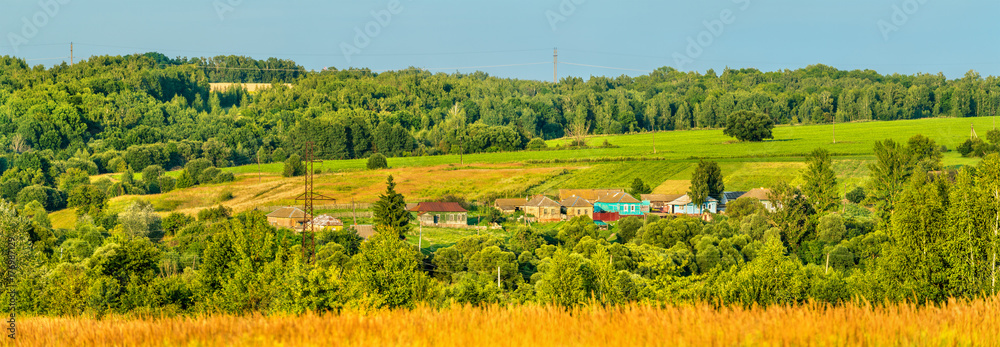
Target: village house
point(544, 209)
point(441, 214)
point(509, 205)
point(728, 197)
point(326, 222)
point(288, 217)
point(763, 195)
point(577, 206)
point(618, 202)
point(684, 205)
point(365, 231)
point(659, 203)
point(590, 195)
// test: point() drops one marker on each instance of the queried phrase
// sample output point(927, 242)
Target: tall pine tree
point(821, 182)
point(390, 213)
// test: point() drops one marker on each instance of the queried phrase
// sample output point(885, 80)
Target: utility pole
point(308, 198)
point(555, 64)
point(498, 277)
point(420, 239)
point(70, 54)
point(652, 125)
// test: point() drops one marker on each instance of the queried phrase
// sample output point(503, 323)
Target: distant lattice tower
point(974, 131)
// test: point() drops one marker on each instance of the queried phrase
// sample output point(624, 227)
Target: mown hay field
point(975, 323)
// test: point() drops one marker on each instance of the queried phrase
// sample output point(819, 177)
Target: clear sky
point(889, 36)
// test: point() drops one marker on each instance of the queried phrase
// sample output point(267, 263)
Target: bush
point(749, 126)
point(857, 195)
point(117, 164)
point(293, 167)
point(215, 213)
point(377, 161)
point(195, 167)
point(152, 173)
point(174, 222)
point(537, 144)
point(208, 175)
point(278, 155)
point(185, 180)
point(225, 195)
point(167, 183)
point(831, 228)
point(224, 177)
point(50, 198)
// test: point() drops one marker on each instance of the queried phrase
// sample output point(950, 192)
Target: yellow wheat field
point(974, 323)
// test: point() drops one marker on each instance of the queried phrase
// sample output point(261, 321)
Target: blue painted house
point(683, 205)
point(620, 202)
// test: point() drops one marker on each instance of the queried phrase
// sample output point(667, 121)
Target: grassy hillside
point(485, 176)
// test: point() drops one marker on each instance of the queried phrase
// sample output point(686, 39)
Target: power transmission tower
point(555, 64)
point(71, 54)
point(308, 198)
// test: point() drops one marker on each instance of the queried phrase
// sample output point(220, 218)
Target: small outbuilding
point(288, 217)
point(326, 221)
point(509, 205)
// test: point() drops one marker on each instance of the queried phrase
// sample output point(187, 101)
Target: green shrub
point(537, 144)
point(278, 155)
point(208, 175)
point(167, 183)
point(224, 177)
point(293, 166)
point(857, 195)
point(377, 161)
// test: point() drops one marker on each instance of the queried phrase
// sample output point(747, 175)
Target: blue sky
point(498, 37)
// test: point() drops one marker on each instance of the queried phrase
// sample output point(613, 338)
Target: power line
point(479, 67)
point(45, 58)
point(607, 67)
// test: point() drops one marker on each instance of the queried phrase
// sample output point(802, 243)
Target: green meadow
point(790, 143)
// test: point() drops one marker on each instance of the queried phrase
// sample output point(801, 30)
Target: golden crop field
point(975, 323)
